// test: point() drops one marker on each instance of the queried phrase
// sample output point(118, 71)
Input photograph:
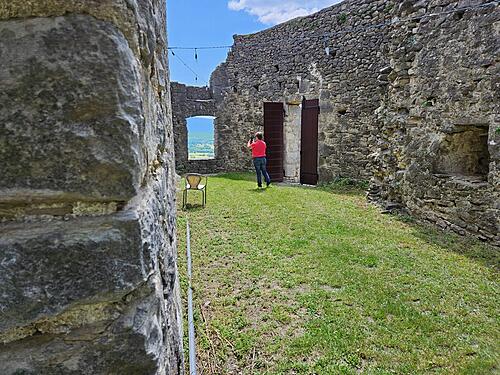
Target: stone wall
point(285, 64)
point(290, 61)
point(189, 101)
point(438, 140)
point(88, 277)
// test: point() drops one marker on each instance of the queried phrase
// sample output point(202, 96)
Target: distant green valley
point(201, 145)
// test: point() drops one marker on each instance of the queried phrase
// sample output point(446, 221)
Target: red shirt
point(258, 149)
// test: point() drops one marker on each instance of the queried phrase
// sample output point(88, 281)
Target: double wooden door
point(273, 131)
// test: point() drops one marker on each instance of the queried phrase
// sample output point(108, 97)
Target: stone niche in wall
point(464, 152)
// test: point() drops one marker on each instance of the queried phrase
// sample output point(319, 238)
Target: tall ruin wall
point(334, 56)
point(438, 144)
point(88, 277)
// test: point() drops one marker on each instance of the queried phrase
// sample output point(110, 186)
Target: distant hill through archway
point(201, 137)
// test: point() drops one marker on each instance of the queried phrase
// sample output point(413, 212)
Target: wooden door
point(309, 142)
point(273, 136)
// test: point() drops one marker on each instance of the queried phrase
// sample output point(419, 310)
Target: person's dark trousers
point(260, 168)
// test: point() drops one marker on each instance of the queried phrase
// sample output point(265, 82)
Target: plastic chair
point(193, 182)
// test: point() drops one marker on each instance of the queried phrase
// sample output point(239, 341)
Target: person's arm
point(250, 142)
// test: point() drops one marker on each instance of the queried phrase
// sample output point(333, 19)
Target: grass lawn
point(293, 280)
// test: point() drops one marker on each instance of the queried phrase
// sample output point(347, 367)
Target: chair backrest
point(193, 180)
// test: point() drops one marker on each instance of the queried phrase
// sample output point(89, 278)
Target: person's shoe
point(268, 183)
point(259, 186)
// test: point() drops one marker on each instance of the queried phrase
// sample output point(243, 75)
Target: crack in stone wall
point(88, 273)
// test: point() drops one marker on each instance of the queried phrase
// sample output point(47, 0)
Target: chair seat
point(199, 187)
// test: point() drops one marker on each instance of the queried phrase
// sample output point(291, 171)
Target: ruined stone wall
point(439, 124)
point(288, 62)
point(189, 101)
point(409, 97)
point(88, 277)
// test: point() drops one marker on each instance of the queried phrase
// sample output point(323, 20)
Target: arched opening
point(200, 131)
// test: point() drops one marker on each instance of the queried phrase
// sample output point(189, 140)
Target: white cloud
point(272, 12)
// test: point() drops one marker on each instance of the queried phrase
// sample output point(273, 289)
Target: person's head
point(259, 136)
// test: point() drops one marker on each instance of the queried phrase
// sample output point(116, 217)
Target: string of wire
point(186, 65)
point(195, 48)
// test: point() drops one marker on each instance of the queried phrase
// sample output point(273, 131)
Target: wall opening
point(200, 131)
point(464, 153)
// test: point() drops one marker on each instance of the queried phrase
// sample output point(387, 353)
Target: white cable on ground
point(192, 342)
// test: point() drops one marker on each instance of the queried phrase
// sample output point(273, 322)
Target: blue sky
point(201, 124)
point(193, 23)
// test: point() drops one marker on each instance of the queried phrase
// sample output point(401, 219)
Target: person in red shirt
point(258, 147)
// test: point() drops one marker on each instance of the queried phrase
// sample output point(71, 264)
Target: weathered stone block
point(93, 295)
point(70, 108)
point(48, 267)
point(106, 338)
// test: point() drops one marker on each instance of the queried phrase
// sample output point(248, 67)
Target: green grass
point(292, 280)
point(200, 155)
point(345, 185)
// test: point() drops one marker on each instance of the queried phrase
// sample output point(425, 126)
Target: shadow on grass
point(345, 186)
point(257, 190)
point(193, 207)
point(342, 190)
point(472, 248)
point(240, 176)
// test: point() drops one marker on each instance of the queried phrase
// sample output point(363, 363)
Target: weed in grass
point(345, 185)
